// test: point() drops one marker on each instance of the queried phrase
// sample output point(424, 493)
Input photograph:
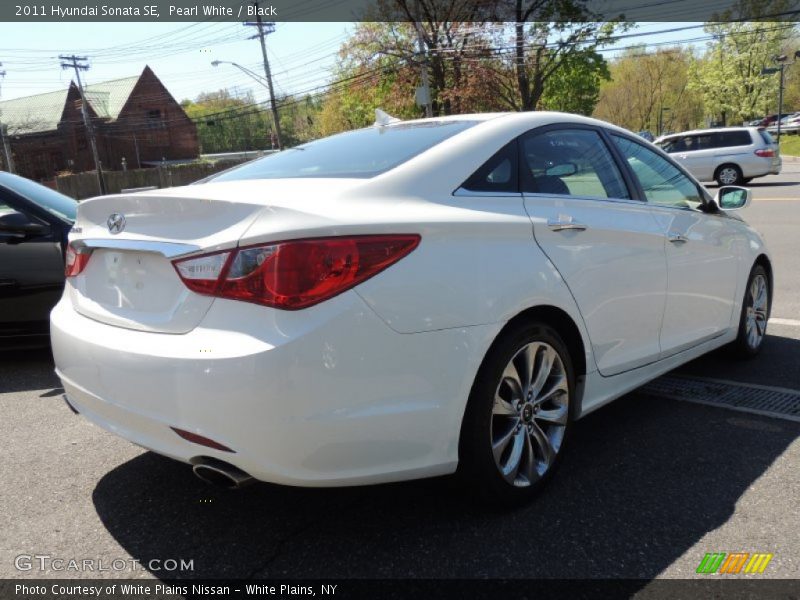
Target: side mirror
point(18, 225)
point(562, 170)
point(731, 197)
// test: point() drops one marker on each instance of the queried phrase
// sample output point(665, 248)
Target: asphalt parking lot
point(649, 485)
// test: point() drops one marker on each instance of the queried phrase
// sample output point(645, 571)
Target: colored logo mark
point(734, 563)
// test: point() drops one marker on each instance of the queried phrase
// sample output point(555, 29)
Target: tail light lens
point(765, 153)
point(295, 274)
point(76, 260)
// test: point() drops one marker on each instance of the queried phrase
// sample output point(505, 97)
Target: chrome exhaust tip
point(221, 474)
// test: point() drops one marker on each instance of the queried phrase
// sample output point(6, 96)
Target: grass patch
point(790, 145)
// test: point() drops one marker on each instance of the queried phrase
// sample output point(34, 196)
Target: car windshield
point(362, 153)
point(52, 201)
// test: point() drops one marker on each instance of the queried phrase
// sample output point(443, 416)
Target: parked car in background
point(646, 135)
point(789, 124)
point(770, 119)
point(406, 300)
point(729, 156)
point(34, 222)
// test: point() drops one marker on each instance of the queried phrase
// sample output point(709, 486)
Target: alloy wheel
point(756, 311)
point(728, 176)
point(529, 414)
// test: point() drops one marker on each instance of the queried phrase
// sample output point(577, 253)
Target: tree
point(643, 83)
point(729, 76)
point(550, 35)
point(575, 86)
point(227, 123)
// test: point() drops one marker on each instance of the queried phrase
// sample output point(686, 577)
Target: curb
point(791, 159)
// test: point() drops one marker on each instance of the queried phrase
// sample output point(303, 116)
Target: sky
point(302, 55)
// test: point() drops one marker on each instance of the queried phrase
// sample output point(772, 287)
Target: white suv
point(730, 156)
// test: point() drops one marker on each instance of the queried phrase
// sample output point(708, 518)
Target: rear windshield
point(766, 137)
point(362, 153)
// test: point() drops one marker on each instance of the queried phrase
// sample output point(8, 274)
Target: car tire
point(518, 416)
point(754, 315)
point(728, 174)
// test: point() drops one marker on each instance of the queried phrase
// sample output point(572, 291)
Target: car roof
point(524, 118)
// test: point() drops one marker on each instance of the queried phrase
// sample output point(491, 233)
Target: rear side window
point(362, 153)
point(498, 174)
point(734, 138)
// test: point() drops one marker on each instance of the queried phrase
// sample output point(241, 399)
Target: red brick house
point(135, 118)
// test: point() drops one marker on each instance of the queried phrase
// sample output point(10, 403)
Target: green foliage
point(642, 84)
point(729, 75)
point(790, 145)
point(226, 123)
point(575, 86)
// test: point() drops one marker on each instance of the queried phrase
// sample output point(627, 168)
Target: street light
point(259, 79)
point(781, 59)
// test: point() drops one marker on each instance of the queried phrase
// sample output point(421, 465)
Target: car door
point(31, 271)
point(702, 263)
point(606, 245)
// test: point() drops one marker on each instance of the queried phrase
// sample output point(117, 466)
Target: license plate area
point(131, 280)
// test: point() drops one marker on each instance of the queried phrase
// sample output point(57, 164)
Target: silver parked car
point(729, 156)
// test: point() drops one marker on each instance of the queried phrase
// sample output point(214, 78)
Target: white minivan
point(729, 156)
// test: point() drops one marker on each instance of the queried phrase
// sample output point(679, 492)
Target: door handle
point(565, 223)
point(676, 238)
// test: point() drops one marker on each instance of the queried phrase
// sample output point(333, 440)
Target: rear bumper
point(325, 396)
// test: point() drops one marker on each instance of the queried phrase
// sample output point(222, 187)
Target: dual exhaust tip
point(221, 474)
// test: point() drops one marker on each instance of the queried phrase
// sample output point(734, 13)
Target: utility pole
point(78, 63)
point(4, 138)
point(426, 86)
point(264, 29)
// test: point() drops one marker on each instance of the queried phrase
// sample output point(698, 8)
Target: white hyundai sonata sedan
point(407, 300)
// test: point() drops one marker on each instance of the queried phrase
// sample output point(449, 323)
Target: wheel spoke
point(556, 415)
point(761, 323)
point(559, 386)
point(511, 467)
point(512, 380)
point(528, 469)
point(525, 362)
point(542, 444)
point(503, 408)
point(499, 445)
point(543, 369)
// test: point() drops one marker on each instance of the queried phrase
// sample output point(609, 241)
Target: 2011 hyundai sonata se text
point(407, 300)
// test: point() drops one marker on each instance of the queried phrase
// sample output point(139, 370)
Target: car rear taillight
point(295, 274)
point(765, 152)
point(76, 260)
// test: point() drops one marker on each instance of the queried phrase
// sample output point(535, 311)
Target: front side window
point(663, 183)
point(362, 153)
point(573, 162)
